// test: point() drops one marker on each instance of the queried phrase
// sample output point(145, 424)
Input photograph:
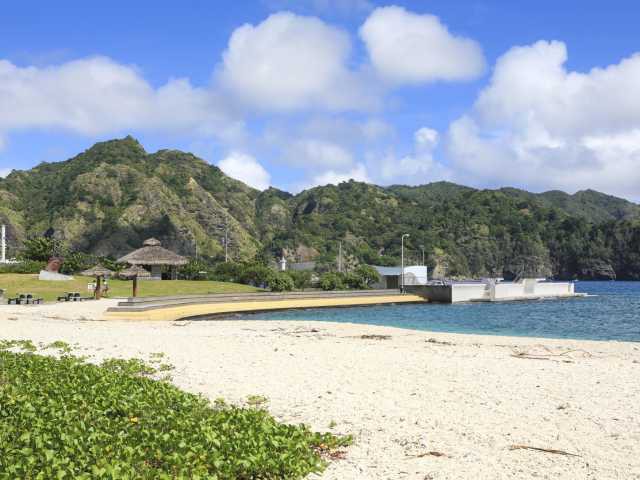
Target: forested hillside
point(111, 197)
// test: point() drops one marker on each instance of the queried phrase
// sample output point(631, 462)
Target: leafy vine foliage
point(63, 418)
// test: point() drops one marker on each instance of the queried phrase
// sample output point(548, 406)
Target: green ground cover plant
point(63, 418)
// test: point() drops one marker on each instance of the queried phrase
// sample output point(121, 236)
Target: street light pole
point(195, 244)
point(402, 262)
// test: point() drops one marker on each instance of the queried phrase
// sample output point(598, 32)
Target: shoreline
point(402, 393)
point(96, 311)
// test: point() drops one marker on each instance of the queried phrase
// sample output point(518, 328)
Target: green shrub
point(351, 280)
point(366, 276)
point(255, 274)
point(280, 282)
point(226, 272)
point(301, 279)
point(332, 281)
point(191, 271)
point(75, 262)
point(25, 266)
point(41, 248)
point(61, 418)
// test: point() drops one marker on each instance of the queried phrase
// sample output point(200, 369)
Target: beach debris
point(375, 337)
point(545, 450)
point(180, 324)
point(438, 342)
point(431, 453)
point(331, 454)
point(528, 357)
point(297, 332)
point(566, 356)
point(257, 401)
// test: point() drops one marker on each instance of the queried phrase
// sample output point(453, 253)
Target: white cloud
point(96, 95)
point(358, 173)
point(245, 168)
point(541, 126)
point(291, 62)
point(312, 153)
point(406, 47)
point(426, 139)
point(413, 169)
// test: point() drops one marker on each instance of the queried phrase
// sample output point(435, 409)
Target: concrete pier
point(190, 306)
point(528, 289)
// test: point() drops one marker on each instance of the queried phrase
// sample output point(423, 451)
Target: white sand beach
point(420, 405)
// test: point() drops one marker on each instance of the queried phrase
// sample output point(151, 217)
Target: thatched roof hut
point(97, 271)
point(153, 255)
point(133, 272)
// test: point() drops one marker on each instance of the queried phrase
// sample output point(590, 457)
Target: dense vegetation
point(63, 418)
point(107, 200)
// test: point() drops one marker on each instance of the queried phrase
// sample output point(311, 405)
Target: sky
point(296, 93)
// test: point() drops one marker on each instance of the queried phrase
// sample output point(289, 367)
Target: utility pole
point(195, 244)
point(422, 248)
point(402, 261)
point(340, 257)
point(226, 240)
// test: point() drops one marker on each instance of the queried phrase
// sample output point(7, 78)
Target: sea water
point(611, 312)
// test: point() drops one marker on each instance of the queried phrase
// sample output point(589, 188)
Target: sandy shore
point(402, 397)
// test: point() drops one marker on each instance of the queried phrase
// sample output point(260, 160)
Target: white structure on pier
point(495, 291)
point(390, 276)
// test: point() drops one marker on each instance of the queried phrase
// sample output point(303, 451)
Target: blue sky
point(486, 93)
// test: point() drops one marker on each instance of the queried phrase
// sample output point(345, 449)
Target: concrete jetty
point(492, 291)
point(193, 306)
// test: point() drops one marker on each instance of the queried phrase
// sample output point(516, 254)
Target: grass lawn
point(22, 283)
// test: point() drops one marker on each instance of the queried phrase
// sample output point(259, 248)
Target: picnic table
point(25, 299)
point(73, 297)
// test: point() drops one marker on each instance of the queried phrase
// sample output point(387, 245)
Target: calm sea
point(612, 313)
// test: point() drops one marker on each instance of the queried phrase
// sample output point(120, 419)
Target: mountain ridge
point(110, 197)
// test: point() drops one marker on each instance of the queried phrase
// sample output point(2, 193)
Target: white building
point(390, 276)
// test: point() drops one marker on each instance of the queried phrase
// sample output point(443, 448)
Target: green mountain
point(108, 199)
point(111, 197)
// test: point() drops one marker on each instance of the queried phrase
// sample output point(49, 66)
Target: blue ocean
point(611, 312)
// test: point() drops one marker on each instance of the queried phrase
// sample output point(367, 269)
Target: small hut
point(99, 272)
point(155, 257)
point(134, 273)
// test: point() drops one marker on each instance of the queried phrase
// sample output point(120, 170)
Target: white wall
point(508, 290)
point(537, 289)
point(415, 275)
point(465, 292)
point(554, 288)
